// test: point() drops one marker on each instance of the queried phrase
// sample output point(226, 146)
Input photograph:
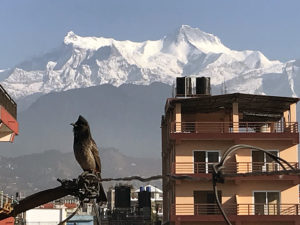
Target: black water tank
point(122, 197)
point(180, 86)
point(203, 85)
point(144, 199)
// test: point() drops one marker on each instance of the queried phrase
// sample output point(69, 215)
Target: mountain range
point(39, 171)
point(91, 61)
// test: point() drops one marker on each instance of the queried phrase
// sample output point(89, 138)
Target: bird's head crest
point(81, 120)
point(81, 126)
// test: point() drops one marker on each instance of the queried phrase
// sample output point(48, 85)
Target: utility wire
point(142, 179)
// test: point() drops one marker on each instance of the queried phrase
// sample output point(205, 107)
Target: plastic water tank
point(203, 85)
point(122, 197)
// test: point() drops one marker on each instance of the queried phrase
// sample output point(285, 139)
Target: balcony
point(229, 127)
point(236, 212)
point(230, 167)
point(235, 131)
point(238, 171)
point(237, 209)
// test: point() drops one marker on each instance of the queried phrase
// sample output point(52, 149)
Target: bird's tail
point(102, 196)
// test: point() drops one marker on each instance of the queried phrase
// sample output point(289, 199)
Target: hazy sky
point(31, 27)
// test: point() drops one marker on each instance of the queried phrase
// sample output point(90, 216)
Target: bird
point(86, 151)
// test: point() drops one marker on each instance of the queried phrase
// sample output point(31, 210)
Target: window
point(203, 161)
point(205, 202)
point(262, 162)
point(267, 202)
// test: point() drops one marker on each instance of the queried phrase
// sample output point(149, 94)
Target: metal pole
point(1, 199)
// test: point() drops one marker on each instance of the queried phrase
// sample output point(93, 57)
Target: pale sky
point(32, 27)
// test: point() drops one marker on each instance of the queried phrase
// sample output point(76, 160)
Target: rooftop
point(253, 107)
point(7, 102)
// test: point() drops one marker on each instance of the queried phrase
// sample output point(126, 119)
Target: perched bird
point(86, 151)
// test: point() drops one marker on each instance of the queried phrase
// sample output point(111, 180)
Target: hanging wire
point(73, 214)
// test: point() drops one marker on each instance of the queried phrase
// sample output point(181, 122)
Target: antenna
point(173, 90)
point(224, 88)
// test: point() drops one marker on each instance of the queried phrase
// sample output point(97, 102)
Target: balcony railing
point(230, 167)
point(7, 102)
point(237, 209)
point(230, 127)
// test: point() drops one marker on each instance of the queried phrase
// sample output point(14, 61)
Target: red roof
point(8, 221)
point(71, 205)
point(47, 206)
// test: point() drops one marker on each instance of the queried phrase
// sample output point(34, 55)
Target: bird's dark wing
point(95, 152)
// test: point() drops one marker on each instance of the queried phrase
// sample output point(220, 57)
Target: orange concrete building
point(198, 128)
point(9, 126)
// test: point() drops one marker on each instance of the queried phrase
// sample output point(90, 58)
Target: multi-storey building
point(8, 117)
point(8, 130)
point(6, 207)
point(198, 129)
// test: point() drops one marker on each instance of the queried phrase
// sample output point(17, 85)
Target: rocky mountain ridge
point(35, 172)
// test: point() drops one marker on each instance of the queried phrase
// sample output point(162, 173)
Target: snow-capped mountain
point(91, 61)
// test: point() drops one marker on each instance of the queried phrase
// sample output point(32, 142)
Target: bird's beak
point(73, 124)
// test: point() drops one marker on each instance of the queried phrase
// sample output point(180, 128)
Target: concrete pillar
point(286, 116)
point(286, 120)
point(293, 117)
point(293, 113)
point(178, 117)
point(227, 123)
point(235, 117)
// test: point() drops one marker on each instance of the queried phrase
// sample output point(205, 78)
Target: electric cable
point(218, 177)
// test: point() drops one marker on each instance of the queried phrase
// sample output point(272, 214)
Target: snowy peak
point(205, 42)
point(70, 36)
point(92, 43)
point(255, 59)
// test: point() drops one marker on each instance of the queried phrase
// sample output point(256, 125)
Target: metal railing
point(237, 209)
point(231, 167)
point(7, 102)
point(237, 127)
